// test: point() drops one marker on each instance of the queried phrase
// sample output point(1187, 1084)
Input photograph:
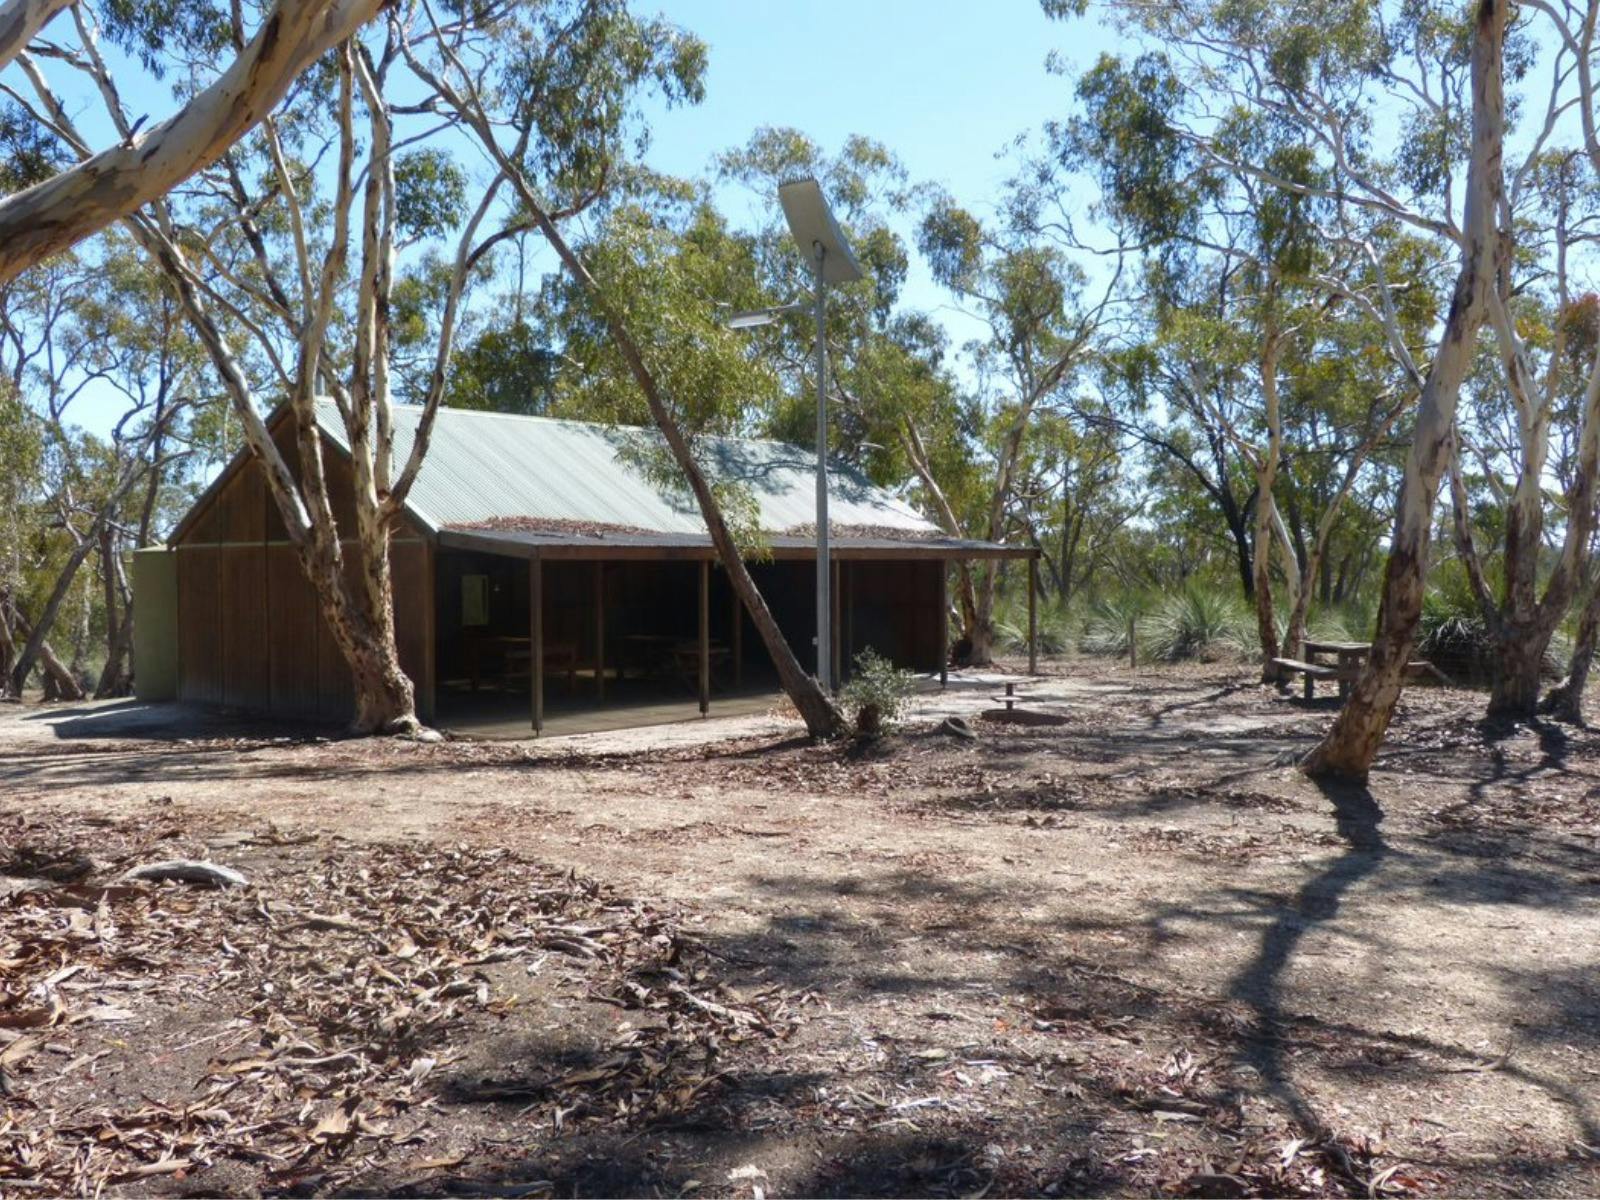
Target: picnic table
point(515, 654)
point(1348, 659)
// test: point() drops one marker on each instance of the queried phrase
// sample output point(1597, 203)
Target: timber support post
point(835, 643)
point(1033, 614)
point(536, 639)
point(600, 630)
point(705, 637)
point(944, 622)
point(738, 640)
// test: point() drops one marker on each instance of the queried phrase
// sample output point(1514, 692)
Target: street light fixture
point(820, 239)
point(756, 318)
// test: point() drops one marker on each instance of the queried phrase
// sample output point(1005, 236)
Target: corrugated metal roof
point(485, 466)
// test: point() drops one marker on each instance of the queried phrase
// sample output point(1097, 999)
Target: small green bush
point(1198, 622)
point(1105, 631)
point(1056, 627)
point(876, 696)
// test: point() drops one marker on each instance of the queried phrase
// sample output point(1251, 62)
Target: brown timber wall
point(893, 607)
point(250, 631)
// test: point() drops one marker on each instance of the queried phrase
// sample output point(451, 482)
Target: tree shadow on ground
point(1259, 985)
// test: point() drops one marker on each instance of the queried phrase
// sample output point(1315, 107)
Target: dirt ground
point(1125, 949)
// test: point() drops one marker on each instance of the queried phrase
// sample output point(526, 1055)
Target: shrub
point(875, 698)
point(1106, 629)
point(1056, 624)
point(1198, 623)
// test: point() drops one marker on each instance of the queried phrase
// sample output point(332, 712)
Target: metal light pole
point(824, 561)
point(819, 237)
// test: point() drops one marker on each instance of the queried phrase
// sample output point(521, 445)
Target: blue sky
point(944, 84)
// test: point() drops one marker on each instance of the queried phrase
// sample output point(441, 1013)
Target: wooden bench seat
point(1346, 675)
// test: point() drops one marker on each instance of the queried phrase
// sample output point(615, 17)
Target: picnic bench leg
point(1345, 663)
point(536, 639)
point(1311, 686)
point(705, 637)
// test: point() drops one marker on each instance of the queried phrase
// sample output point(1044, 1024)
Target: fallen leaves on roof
point(558, 525)
point(895, 533)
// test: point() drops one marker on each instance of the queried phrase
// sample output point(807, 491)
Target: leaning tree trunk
point(1564, 702)
point(816, 708)
point(59, 682)
point(1348, 749)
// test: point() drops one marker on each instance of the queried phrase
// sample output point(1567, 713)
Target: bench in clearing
point(1010, 697)
point(1344, 674)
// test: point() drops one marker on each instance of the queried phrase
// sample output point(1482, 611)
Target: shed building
point(546, 572)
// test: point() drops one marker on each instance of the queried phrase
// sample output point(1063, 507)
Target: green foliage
point(506, 368)
point(1198, 622)
point(576, 69)
point(875, 698)
point(1148, 174)
point(27, 153)
point(430, 193)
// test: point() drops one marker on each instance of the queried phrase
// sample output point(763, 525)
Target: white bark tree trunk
point(58, 213)
point(21, 20)
point(1348, 749)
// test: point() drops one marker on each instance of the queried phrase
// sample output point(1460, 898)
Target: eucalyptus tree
point(1547, 393)
point(455, 67)
point(1072, 500)
point(248, 71)
point(56, 347)
point(1322, 72)
point(1160, 390)
point(21, 454)
point(1042, 321)
point(1252, 267)
point(145, 360)
point(283, 257)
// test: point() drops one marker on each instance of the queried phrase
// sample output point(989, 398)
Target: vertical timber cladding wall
point(251, 634)
point(893, 608)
